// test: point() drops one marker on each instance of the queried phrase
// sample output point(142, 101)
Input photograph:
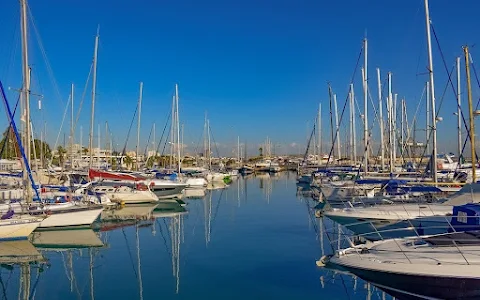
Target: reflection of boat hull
point(129, 212)
point(81, 217)
point(216, 185)
point(18, 228)
point(18, 252)
point(84, 238)
point(194, 193)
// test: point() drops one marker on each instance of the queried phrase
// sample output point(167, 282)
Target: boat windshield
point(458, 238)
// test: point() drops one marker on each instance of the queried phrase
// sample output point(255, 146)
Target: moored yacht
point(443, 266)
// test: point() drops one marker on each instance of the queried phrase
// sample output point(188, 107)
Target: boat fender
point(323, 261)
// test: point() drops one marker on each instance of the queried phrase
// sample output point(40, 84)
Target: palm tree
point(128, 161)
point(61, 155)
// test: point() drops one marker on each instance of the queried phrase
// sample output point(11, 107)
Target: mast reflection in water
point(256, 238)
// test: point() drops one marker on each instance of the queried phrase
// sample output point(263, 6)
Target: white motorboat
point(194, 193)
point(165, 189)
point(398, 220)
point(194, 182)
point(443, 266)
point(215, 177)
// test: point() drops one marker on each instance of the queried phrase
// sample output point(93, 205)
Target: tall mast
point(354, 126)
point(205, 137)
point(471, 116)
point(139, 108)
point(330, 95)
point(432, 93)
point(26, 96)
point(365, 104)
point(178, 128)
point(394, 124)
point(172, 131)
point(154, 141)
point(459, 112)
point(99, 146)
point(319, 140)
point(337, 128)
point(427, 118)
point(390, 131)
point(380, 113)
point(71, 127)
point(351, 111)
point(238, 151)
point(402, 138)
point(209, 146)
point(94, 90)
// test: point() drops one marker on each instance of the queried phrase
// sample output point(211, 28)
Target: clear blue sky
point(259, 68)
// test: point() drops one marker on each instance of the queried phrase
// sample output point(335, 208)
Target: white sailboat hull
point(18, 228)
point(133, 197)
point(74, 218)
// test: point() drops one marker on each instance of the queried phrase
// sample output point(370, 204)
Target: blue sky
point(259, 68)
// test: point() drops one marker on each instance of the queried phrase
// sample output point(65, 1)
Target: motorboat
point(445, 266)
point(400, 220)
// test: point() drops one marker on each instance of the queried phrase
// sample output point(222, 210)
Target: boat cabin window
point(458, 238)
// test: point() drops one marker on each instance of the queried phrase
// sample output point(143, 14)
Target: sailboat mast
point(365, 103)
point(26, 96)
point(459, 112)
point(238, 151)
point(154, 140)
point(177, 120)
point(99, 146)
point(337, 128)
point(140, 95)
point(380, 113)
point(390, 131)
point(351, 110)
point(432, 94)
point(94, 91)
point(172, 132)
point(209, 146)
point(427, 117)
point(394, 122)
point(331, 115)
point(319, 133)
point(71, 127)
point(471, 115)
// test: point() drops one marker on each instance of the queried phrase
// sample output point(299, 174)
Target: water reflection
point(330, 237)
point(260, 240)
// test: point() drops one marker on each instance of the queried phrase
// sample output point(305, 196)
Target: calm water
point(257, 239)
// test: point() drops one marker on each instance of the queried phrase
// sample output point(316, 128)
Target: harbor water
point(258, 238)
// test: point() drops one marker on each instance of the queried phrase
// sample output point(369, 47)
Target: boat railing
point(442, 233)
